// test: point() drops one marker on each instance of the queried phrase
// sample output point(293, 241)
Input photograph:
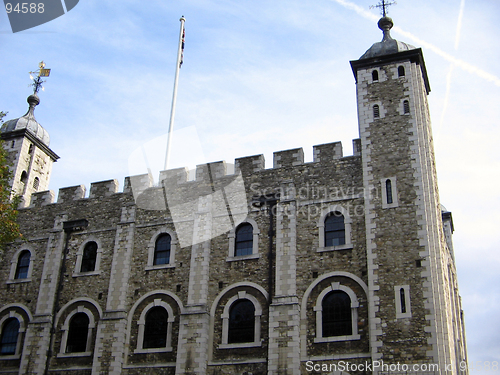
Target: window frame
point(20, 333)
point(65, 333)
point(338, 219)
point(394, 190)
point(159, 249)
point(397, 297)
point(14, 266)
point(152, 246)
point(142, 325)
point(79, 258)
point(347, 229)
point(318, 308)
point(406, 107)
point(255, 242)
point(225, 322)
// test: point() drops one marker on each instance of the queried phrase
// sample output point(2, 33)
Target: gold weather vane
point(37, 81)
point(384, 4)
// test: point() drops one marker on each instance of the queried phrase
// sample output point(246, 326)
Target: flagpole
point(174, 96)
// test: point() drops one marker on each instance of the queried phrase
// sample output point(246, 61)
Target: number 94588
point(25, 8)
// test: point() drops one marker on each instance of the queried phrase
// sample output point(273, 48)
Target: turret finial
point(37, 81)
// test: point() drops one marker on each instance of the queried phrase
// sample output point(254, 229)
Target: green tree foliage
point(9, 229)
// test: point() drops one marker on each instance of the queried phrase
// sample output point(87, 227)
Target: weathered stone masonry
point(393, 262)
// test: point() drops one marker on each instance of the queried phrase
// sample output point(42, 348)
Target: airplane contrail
point(460, 63)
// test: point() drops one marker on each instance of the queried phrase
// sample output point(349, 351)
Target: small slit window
point(401, 71)
point(10, 333)
point(376, 111)
point(375, 75)
point(23, 265)
point(406, 107)
point(402, 300)
point(388, 191)
point(78, 333)
point(244, 240)
point(162, 250)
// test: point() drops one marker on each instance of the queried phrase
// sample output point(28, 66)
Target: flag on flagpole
point(182, 47)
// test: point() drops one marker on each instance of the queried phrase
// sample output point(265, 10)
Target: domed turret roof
point(28, 122)
point(388, 45)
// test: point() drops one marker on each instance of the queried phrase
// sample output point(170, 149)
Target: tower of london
point(284, 267)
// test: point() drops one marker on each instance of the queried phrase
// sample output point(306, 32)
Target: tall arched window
point(155, 328)
point(23, 265)
point(10, 334)
point(337, 317)
point(376, 111)
point(241, 322)
point(244, 240)
point(334, 229)
point(89, 257)
point(388, 191)
point(401, 71)
point(375, 75)
point(78, 333)
point(162, 250)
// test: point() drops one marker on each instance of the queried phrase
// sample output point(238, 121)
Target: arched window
point(401, 71)
point(244, 240)
point(10, 333)
point(162, 250)
point(376, 111)
point(241, 322)
point(24, 177)
point(406, 106)
point(375, 75)
point(388, 191)
point(89, 257)
point(78, 333)
point(23, 265)
point(155, 328)
point(337, 317)
point(36, 183)
point(334, 229)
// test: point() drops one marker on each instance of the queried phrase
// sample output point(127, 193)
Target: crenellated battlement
point(205, 173)
point(103, 188)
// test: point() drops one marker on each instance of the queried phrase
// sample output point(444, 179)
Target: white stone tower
point(27, 145)
point(414, 314)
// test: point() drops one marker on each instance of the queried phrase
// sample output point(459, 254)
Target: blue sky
point(262, 76)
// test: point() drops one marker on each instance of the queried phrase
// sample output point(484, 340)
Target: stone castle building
point(298, 268)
